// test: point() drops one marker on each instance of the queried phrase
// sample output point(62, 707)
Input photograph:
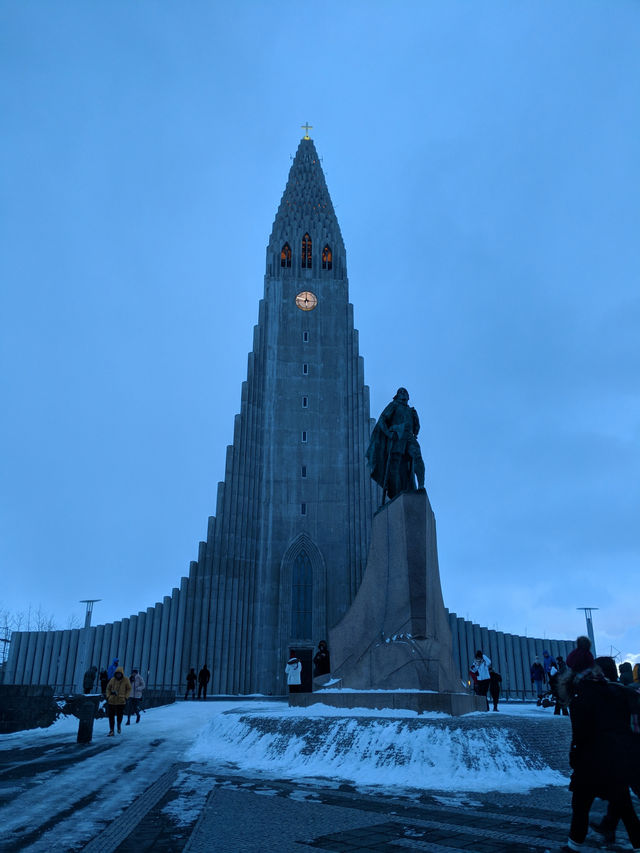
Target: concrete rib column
point(531, 643)
point(512, 679)
point(171, 639)
point(502, 658)
point(122, 646)
point(129, 652)
point(115, 642)
point(155, 644)
point(523, 682)
point(106, 643)
point(31, 651)
point(161, 666)
point(12, 666)
point(471, 646)
point(137, 648)
point(74, 652)
point(203, 604)
point(189, 628)
point(179, 663)
point(63, 658)
point(55, 661)
point(464, 653)
point(37, 658)
point(453, 627)
point(146, 645)
point(484, 637)
point(493, 653)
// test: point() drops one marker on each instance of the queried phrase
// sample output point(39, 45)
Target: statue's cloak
point(379, 448)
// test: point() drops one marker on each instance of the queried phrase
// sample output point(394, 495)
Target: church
point(287, 548)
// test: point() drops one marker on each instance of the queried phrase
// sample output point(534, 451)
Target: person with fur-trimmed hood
point(118, 691)
point(604, 751)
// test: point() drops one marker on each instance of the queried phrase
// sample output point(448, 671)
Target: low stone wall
point(454, 704)
point(25, 706)
point(156, 698)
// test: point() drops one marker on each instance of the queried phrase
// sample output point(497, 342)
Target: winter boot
point(608, 836)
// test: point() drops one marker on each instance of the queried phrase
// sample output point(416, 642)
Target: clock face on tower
point(306, 301)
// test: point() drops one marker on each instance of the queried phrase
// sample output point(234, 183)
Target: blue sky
point(482, 159)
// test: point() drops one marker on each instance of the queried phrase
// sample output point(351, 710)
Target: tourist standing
point(495, 680)
point(104, 680)
point(321, 661)
point(112, 667)
point(118, 691)
point(480, 666)
point(203, 679)
point(135, 700)
point(293, 671)
point(191, 684)
point(559, 706)
point(537, 677)
point(547, 662)
point(89, 679)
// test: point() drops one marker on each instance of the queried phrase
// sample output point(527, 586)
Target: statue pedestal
point(396, 635)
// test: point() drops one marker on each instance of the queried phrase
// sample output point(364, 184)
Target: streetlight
point(587, 616)
point(89, 602)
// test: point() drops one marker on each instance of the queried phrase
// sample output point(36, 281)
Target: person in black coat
point(321, 661)
point(603, 755)
point(191, 684)
point(495, 680)
point(203, 679)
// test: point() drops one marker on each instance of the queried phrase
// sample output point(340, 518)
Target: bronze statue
point(394, 455)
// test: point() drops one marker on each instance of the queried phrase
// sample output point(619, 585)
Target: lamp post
point(587, 616)
point(89, 602)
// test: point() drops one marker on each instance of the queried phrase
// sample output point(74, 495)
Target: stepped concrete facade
point(285, 553)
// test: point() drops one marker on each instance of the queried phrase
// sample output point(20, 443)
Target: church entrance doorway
point(305, 656)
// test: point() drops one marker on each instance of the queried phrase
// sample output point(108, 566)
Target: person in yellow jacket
point(118, 690)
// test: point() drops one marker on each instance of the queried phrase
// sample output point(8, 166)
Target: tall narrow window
point(303, 509)
point(306, 252)
point(285, 256)
point(302, 597)
point(304, 436)
point(305, 369)
point(326, 258)
point(305, 337)
point(303, 472)
point(305, 402)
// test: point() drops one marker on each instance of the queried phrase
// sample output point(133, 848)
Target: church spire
point(306, 209)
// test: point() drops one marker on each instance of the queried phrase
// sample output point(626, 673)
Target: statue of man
point(394, 455)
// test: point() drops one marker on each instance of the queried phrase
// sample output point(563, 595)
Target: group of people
point(321, 667)
point(122, 694)
point(203, 678)
point(486, 680)
point(604, 706)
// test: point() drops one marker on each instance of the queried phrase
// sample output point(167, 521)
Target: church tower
point(285, 554)
point(286, 551)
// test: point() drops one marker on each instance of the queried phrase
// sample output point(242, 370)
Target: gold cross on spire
point(306, 127)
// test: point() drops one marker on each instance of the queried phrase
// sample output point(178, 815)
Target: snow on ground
point(389, 752)
point(386, 752)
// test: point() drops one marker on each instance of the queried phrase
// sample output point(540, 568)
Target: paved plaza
point(137, 792)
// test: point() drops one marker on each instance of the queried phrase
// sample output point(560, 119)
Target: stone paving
point(197, 807)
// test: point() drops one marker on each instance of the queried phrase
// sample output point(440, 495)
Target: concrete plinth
point(396, 634)
point(454, 704)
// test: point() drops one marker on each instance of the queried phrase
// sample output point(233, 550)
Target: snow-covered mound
point(410, 752)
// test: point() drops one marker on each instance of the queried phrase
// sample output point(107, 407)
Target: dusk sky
point(483, 161)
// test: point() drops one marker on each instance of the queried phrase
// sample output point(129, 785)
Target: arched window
point(306, 252)
point(302, 597)
point(285, 256)
point(326, 258)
